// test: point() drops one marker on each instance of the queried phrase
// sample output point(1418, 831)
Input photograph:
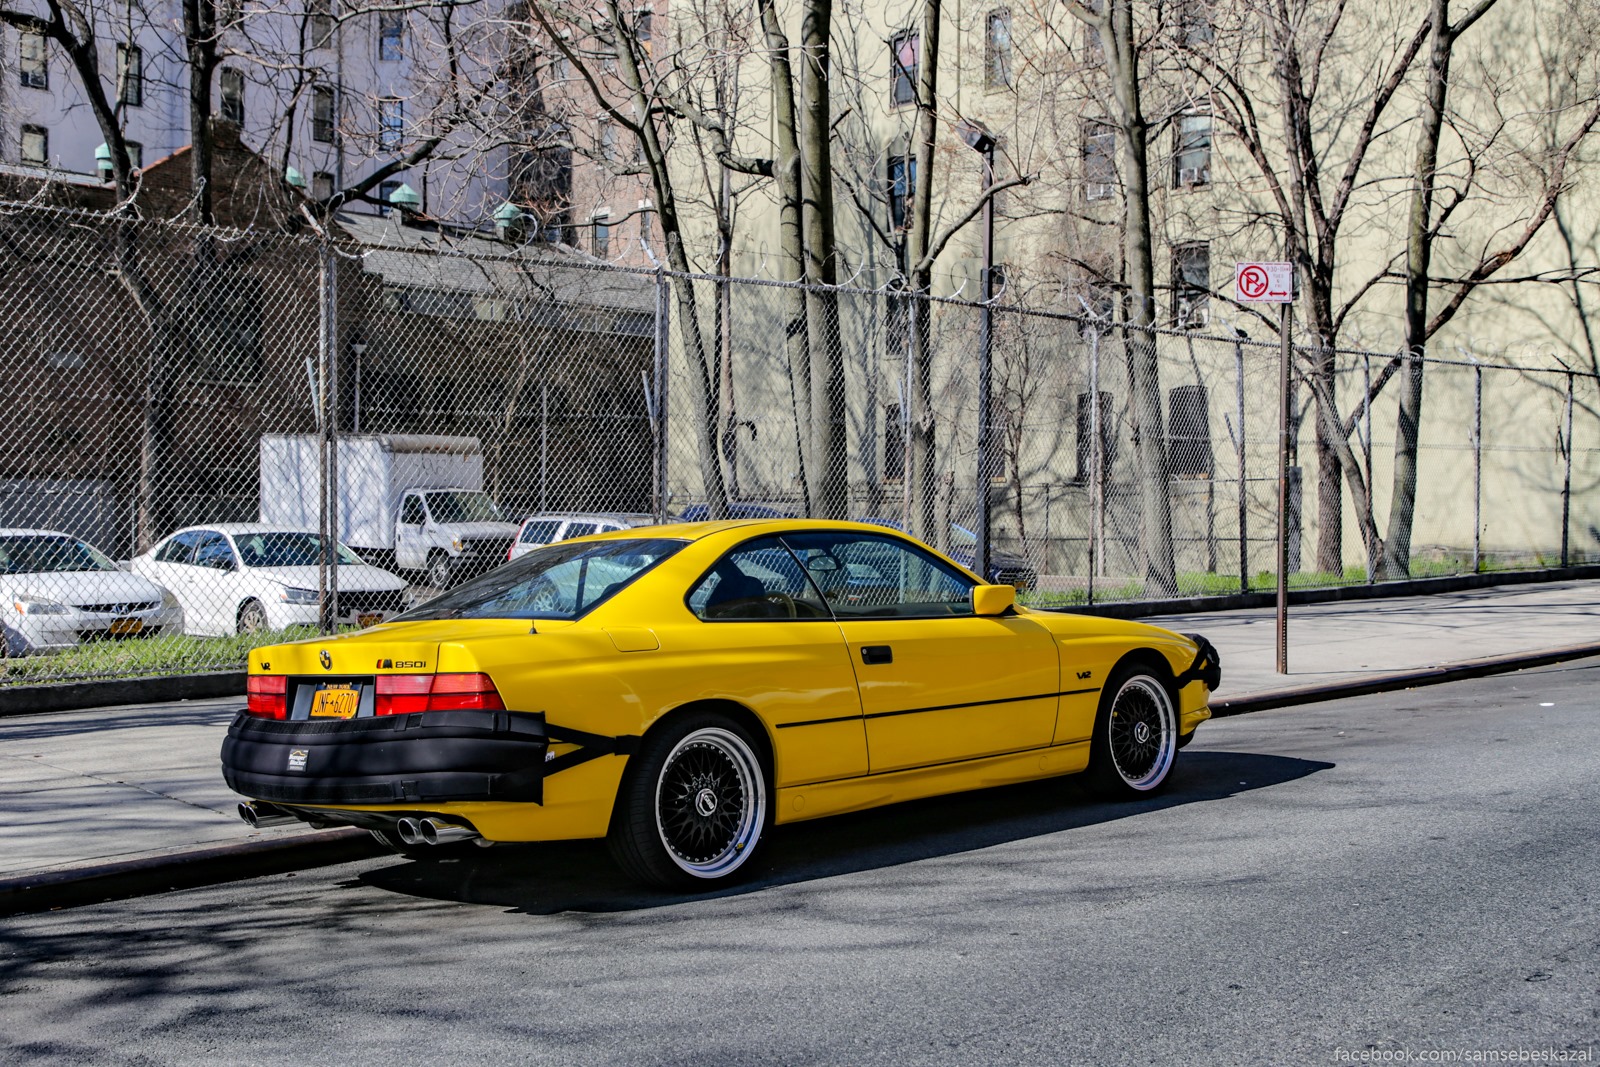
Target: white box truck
point(411, 501)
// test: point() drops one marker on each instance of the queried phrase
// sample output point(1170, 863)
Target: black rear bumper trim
point(426, 757)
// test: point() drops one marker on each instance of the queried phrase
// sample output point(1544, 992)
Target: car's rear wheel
point(693, 807)
point(252, 617)
point(1135, 734)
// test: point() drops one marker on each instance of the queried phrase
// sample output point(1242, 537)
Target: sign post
point(1273, 283)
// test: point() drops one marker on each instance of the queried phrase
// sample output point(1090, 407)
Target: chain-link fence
point(194, 412)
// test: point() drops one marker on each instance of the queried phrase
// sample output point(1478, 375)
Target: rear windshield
point(43, 553)
point(560, 581)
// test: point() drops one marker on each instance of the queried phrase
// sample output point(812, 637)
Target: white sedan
point(58, 591)
point(246, 577)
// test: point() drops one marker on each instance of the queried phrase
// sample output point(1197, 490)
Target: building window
point(130, 75)
point(1191, 284)
point(322, 114)
point(997, 50)
point(321, 12)
point(1099, 160)
point(135, 154)
point(608, 138)
point(229, 12)
point(35, 65)
point(386, 189)
point(1093, 51)
point(391, 34)
point(903, 52)
point(556, 229)
point(894, 443)
point(1195, 27)
point(322, 185)
point(1191, 157)
point(233, 95)
point(602, 235)
point(644, 29)
point(35, 146)
point(391, 124)
point(902, 190)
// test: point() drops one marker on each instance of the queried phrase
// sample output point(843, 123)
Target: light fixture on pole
point(102, 162)
point(979, 139)
point(358, 349)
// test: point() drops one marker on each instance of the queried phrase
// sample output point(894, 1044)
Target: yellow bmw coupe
point(678, 690)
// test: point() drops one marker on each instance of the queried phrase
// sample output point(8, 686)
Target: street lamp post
point(978, 138)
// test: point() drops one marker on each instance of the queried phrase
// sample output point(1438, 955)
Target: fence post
point(659, 474)
point(1477, 469)
point(1566, 478)
point(1238, 447)
point(327, 416)
point(1366, 456)
point(1097, 501)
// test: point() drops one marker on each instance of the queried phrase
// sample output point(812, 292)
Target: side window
point(539, 533)
point(214, 551)
point(179, 549)
point(758, 580)
point(579, 529)
point(869, 576)
point(411, 513)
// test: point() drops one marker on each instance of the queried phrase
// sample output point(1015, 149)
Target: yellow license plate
point(126, 626)
point(371, 618)
point(336, 702)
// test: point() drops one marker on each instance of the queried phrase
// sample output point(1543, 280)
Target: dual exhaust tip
point(428, 831)
point(431, 831)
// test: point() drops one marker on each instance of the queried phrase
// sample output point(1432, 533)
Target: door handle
point(874, 654)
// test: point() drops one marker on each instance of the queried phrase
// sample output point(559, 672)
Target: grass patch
point(143, 657)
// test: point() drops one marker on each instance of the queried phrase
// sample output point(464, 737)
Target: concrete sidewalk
point(136, 784)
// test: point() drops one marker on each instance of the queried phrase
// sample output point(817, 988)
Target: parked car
point(736, 510)
point(56, 591)
point(244, 577)
point(674, 693)
point(537, 531)
point(1005, 568)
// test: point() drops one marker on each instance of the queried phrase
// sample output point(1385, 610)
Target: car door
point(410, 546)
point(938, 684)
point(215, 582)
point(171, 567)
point(767, 640)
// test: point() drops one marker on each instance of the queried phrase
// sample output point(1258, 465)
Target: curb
point(75, 696)
point(1384, 683)
point(51, 890)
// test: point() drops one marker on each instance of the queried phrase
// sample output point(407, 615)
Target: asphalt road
point(1413, 871)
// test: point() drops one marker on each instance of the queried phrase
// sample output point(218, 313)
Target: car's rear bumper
point(423, 758)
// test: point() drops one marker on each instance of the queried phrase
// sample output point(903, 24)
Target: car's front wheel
point(252, 617)
point(438, 570)
point(693, 807)
point(1135, 734)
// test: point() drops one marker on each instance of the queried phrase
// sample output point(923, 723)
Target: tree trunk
point(1144, 369)
point(1419, 251)
point(925, 465)
point(828, 466)
point(200, 39)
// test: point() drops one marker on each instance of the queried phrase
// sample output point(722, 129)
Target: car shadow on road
point(542, 879)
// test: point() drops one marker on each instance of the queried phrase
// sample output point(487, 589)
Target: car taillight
point(404, 694)
point(267, 696)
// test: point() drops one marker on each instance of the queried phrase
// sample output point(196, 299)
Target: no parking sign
point(1264, 283)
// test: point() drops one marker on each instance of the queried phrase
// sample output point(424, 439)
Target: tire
point(252, 617)
point(1135, 735)
point(438, 570)
point(693, 807)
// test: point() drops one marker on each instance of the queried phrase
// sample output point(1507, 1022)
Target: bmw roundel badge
point(327, 660)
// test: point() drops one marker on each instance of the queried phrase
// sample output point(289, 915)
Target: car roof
point(635, 518)
point(20, 532)
point(237, 529)
point(694, 531)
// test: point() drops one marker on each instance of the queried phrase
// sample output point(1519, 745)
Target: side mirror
point(993, 599)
